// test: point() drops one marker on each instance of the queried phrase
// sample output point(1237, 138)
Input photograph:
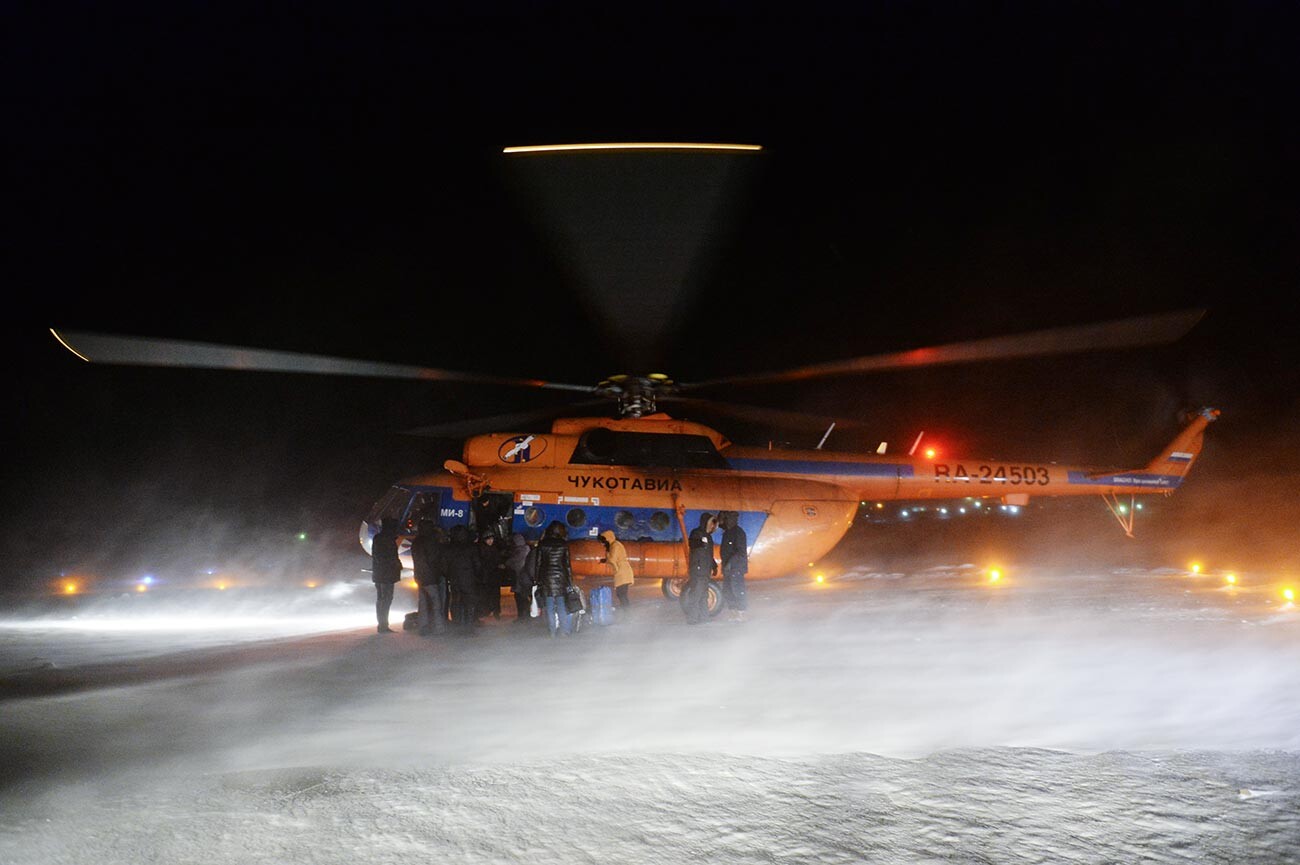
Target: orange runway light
point(1196, 567)
point(994, 575)
point(69, 588)
point(1288, 593)
point(141, 587)
point(1230, 579)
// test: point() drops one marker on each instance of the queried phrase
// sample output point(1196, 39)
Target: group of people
point(459, 580)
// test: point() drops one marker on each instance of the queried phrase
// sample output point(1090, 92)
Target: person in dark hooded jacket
point(702, 566)
point(521, 584)
point(385, 570)
point(734, 552)
point(554, 577)
point(491, 561)
point(461, 568)
point(425, 551)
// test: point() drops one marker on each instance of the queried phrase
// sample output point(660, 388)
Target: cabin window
point(659, 521)
point(607, 447)
point(533, 517)
point(576, 518)
point(624, 520)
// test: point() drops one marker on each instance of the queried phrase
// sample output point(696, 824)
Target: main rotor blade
point(518, 422)
point(1155, 329)
point(758, 414)
point(138, 351)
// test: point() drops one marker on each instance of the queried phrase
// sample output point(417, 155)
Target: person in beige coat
point(616, 557)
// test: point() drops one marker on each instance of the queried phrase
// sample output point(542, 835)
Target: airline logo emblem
point(521, 449)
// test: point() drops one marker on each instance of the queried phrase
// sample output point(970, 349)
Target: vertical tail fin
point(1177, 457)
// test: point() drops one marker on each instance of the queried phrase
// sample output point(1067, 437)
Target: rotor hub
point(637, 395)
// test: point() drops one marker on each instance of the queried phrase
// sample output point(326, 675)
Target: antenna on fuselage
point(828, 435)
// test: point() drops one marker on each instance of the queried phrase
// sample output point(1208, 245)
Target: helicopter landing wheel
point(714, 604)
point(672, 589)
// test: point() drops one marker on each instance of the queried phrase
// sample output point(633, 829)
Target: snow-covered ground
point(924, 715)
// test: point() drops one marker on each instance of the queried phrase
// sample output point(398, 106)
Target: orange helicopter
point(648, 476)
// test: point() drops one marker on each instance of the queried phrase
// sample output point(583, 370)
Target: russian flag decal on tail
point(1180, 457)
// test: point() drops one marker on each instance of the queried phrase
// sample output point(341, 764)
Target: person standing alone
point(616, 558)
point(385, 570)
point(734, 553)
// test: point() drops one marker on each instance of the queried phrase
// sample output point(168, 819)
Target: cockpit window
point(663, 450)
point(393, 505)
point(420, 504)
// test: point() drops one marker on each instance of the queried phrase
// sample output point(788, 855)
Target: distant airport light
point(931, 453)
point(632, 145)
point(311, 585)
point(221, 587)
point(69, 588)
point(821, 578)
point(1288, 593)
point(141, 587)
point(994, 575)
point(1196, 567)
point(302, 536)
point(1230, 579)
point(879, 505)
point(147, 579)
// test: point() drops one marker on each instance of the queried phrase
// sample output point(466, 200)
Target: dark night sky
point(329, 182)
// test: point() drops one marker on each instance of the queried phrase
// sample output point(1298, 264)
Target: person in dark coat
point(521, 584)
point(385, 570)
point(530, 574)
point(554, 577)
point(492, 561)
point(734, 552)
point(461, 568)
point(432, 592)
point(702, 567)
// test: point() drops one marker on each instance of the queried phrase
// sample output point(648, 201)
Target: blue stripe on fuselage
point(823, 467)
point(1127, 479)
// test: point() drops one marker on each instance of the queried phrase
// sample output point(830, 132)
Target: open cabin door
point(493, 512)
